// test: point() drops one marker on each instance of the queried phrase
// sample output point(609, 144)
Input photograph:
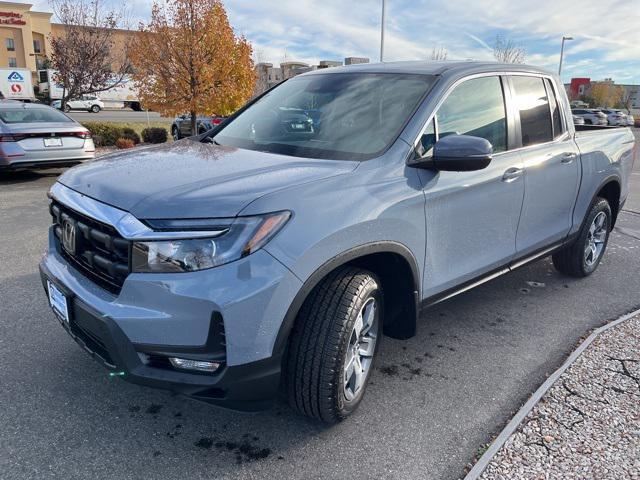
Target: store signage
point(11, 18)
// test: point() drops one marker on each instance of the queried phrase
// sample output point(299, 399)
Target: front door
point(471, 217)
point(551, 166)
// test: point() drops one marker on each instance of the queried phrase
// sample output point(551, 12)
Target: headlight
point(244, 236)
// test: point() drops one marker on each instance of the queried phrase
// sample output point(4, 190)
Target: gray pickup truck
point(270, 254)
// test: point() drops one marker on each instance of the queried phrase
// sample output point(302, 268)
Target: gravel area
point(587, 426)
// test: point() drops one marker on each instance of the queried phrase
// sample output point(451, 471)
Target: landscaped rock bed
point(587, 426)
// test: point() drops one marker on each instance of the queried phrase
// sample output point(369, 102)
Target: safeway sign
point(15, 77)
point(16, 84)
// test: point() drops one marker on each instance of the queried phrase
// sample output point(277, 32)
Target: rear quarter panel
point(606, 154)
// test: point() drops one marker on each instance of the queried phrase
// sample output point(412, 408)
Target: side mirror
point(458, 153)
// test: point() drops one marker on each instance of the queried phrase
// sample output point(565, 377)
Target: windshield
point(33, 115)
point(351, 116)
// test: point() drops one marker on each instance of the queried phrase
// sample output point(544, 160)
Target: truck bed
point(605, 151)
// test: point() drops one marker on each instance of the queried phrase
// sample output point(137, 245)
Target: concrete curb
point(511, 427)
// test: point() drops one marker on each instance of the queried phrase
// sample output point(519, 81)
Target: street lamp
point(384, 8)
point(564, 37)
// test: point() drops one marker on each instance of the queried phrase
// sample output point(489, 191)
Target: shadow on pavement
point(24, 176)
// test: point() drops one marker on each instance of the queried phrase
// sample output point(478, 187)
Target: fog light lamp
point(198, 365)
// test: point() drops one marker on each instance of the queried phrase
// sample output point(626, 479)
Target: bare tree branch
point(439, 53)
point(507, 51)
point(85, 55)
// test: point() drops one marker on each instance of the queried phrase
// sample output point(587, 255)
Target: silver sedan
point(34, 135)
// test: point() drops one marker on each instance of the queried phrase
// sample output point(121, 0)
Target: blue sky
point(606, 32)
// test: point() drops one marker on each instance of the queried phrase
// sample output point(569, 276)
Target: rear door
point(551, 163)
point(471, 217)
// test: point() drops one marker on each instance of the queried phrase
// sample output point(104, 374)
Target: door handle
point(568, 157)
point(512, 174)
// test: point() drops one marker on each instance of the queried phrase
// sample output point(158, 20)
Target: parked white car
point(89, 103)
point(591, 117)
point(577, 120)
point(630, 120)
point(615, 117)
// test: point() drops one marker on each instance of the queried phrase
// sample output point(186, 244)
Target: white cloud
point(606, 32)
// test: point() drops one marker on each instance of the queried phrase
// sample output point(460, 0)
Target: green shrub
point(154, 135)
point(124, 143)
point(131, 134)
point(104, 134)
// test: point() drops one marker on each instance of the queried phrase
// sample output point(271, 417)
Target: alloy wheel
point(596, 239)
point(360, 351)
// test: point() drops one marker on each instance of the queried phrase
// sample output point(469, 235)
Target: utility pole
point(384, 8)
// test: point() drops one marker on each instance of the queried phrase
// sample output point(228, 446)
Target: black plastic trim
point(510, 267)
point(337, 261)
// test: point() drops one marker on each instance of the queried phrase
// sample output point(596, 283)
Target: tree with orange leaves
point(188, 59)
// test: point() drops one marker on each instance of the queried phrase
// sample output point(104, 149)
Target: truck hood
point(190, 179)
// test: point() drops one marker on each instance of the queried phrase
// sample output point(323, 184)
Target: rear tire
point(583, 255)
point(175, 133)
point(333, 345)
point(67, 108)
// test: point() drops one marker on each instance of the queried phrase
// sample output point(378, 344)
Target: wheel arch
point(610, 190)
point(398, 272)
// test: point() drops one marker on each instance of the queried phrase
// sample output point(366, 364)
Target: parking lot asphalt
point(433, 401)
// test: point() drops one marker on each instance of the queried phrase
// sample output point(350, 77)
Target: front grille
point(100, 252)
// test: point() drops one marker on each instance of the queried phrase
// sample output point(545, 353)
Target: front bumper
point(158, 316)
point(40, 164)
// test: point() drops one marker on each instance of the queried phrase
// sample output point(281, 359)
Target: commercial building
point(268, 76)
point(579, 88)
point(355, 60)
point(25, 36)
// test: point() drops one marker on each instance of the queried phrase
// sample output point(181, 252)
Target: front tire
point(175, 133)
point(333, 345)
point(582, 257)
point(95, 108)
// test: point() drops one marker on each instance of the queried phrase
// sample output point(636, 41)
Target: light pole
point(384, 8)
point(564, 37)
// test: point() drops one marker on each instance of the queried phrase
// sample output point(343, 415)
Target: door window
point(475, 107)
point(558, 129)
point(532, 102)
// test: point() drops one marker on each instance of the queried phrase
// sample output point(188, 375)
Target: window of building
point(533, 104)
point(37, 46)
point(13, 63)
point(475, 107)
point(11, 46)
